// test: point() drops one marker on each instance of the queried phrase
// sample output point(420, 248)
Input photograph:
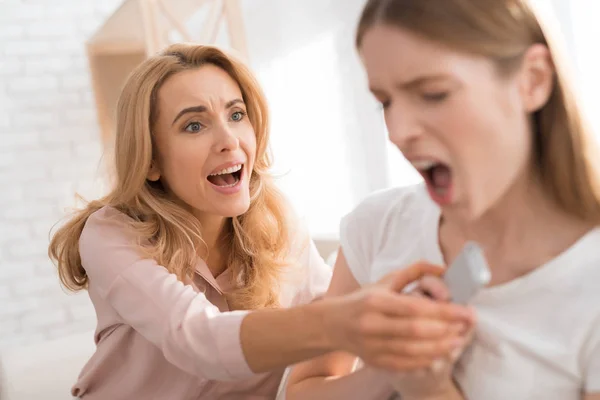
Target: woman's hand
point(394, 331)
point(434, 381)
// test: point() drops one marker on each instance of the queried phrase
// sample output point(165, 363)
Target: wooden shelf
point(140, 28)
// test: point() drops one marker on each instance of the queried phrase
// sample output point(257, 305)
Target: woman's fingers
point(394, 304)
point(389, 362)
point(422, 348)
point(435, 287)
point(399, 279)
point(406, 355)
point(426, 328)
point(400, 332)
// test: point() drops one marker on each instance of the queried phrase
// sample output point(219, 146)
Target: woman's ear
point(153, 172)
point(537, 73)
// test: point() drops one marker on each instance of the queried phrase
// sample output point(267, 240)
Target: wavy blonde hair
point(258, 241)
point(566, 153)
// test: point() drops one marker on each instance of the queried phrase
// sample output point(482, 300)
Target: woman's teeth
point(423, 165)
point(229, 170)
point(231, 184)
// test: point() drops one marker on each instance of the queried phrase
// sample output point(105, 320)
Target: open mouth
point(227, 177)
point(438, 177)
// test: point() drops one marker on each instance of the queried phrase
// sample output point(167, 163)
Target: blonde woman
point(474, 96)
point(193, 259)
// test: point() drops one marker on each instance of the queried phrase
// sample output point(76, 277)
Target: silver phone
point(467, 274)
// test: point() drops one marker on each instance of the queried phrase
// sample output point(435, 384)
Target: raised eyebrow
point(200, 109)
point(233, 102)
point(194, 109)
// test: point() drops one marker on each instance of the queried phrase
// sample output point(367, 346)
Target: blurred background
point(328, 135)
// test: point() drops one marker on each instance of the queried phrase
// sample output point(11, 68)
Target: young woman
point(475, 98)
point(191, 260)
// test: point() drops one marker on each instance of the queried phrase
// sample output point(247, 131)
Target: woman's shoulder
point(104, 228)
point(404, 204)
point(385, 218)
point(108, 214)
point(106, 219)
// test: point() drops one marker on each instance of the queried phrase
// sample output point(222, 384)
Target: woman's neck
point(212, 233)
point(523, 231)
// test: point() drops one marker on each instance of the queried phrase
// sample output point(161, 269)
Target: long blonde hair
point(502, 30)
point(259, 239)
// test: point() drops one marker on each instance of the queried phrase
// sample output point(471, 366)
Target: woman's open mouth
point(438, 177)
point(228, 177)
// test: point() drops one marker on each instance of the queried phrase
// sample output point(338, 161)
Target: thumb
point(399, 279)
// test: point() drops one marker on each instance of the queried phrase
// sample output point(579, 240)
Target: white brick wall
point(49, 148)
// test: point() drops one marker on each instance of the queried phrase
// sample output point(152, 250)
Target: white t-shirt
point(538, 336)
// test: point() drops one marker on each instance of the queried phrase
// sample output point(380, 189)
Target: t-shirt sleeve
point(356, 240)
point(363, 229)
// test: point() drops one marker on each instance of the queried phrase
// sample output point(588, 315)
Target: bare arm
point(590, 396)
point(277, 338)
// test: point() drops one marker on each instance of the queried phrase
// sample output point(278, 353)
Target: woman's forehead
point(394, 54)
point(208, 86)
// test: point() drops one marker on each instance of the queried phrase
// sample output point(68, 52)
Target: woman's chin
point(231, 209)
point(471, 210)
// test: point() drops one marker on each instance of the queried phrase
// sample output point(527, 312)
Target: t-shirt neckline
point(552, 270)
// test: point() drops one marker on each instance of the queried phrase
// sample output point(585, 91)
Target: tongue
point(223, 180)
point(440, 177)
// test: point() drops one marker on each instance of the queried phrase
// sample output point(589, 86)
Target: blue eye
point(238, 116)
point(193, 127)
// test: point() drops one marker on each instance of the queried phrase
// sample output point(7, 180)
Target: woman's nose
point(403, 128)
point(226, 140)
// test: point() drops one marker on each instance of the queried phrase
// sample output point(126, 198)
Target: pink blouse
point(160, 339)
